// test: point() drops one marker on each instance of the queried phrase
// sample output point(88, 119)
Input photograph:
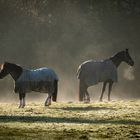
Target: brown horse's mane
point(13, 69)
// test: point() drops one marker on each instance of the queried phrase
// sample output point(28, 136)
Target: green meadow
point(97, 120)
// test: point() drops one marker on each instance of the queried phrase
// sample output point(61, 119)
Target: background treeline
point(63, 33)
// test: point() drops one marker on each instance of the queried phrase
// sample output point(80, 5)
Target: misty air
point(69, 69)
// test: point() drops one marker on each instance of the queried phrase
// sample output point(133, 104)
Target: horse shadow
point(88, 108)
point(74, 120)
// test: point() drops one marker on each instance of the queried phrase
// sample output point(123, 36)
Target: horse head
point(127, 58)
point(3, 70)
point(10, 68)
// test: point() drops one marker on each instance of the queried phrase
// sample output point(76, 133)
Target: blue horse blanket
point(40, 80)
point(92, 72)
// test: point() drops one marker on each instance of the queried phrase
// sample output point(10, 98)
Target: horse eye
point(127, 55)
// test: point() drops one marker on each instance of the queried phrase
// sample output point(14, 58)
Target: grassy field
point(113, 120)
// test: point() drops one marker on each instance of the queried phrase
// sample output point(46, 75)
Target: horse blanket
point(40, 80)
point(92, 72)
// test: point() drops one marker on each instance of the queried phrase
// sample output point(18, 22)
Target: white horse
point(91, 72)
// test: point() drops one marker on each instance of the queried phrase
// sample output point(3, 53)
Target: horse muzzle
point(132, 63)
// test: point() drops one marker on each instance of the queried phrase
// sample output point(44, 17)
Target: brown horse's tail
point(54, 96)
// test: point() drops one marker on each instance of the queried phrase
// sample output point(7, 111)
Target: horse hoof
point(86, 101)
point(23, 106)
point(19, 106)
point(47, 104)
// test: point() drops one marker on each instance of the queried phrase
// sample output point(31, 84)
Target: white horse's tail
point(79, 71)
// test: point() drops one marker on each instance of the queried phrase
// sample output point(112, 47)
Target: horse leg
point(109, 90)
point(23, 100)
point(82, 90)
point(48, 100)
point(20, 99)
point(54, 95)
point(103, 90)
point(87, 100)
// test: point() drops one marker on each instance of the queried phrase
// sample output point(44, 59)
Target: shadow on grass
point(46, 119)
point(89, 108)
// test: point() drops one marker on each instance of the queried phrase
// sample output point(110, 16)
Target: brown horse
point(91, 72)
point(40, 80)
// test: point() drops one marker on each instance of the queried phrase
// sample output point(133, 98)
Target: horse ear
point(126, 49)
